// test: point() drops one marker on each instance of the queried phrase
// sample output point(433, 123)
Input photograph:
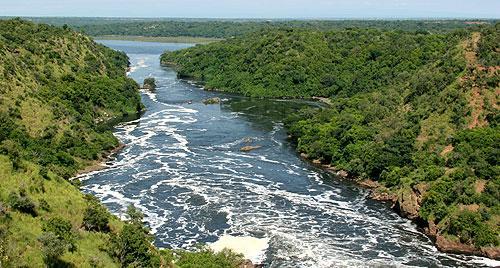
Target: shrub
point(43, 204)
point(206, 258)
point(62, 229)
point(132, 246)
point(149, 83)
point(469, 227)
point(52, 248)
point(96, 216)
point(22, 203)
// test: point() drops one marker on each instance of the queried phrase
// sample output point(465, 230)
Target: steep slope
point(415, 116)
point(56, 86)
point(300, 63)
point(58, 92)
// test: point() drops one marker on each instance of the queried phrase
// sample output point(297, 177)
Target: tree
point(52, 248)
point(149, 83)
point(96, 216)
point(132, 246)
point(22, 203)
point(62, 229)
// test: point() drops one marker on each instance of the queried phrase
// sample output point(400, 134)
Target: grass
point(160, 39)
point(65, 201)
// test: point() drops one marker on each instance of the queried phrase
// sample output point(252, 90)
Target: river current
point(182, 166)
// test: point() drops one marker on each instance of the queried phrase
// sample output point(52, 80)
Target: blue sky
point(254, 8)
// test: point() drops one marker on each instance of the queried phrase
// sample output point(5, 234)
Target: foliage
point(150, 83)
point(398, 110)
point(489, 46)
point(58, 89)
point(96, 216)
point(62, 228)
point(229, 28)
point(52, 249)
point(132, 246)
point(300, 63)
point(470, 228)
point(206, 258)
point(22, 203)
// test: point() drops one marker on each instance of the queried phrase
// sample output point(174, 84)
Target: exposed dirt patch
point(476, 103)
point(479, 186)
point(470, 47)
point(476, 98)
point(448, 149)
point(471, 207)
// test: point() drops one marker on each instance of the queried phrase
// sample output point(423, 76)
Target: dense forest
point(220, 28)
point(58, 90)
point(413, 113)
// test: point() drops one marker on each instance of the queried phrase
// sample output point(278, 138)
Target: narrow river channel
point(183, 168)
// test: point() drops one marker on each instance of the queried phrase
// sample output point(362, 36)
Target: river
point(183, 168)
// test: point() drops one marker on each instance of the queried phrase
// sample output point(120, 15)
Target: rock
point(342, 174)
point(214, 100)
point(304, 155)
point(330, 169)
point(431, 229)
point(369, 184)
point(249, 264)
point(249, 148)
point(450, 246)
point(316, 162)
point(381, 194)
point(149, 84)
point(420, 190)
point(492, 253)
point(407, 204)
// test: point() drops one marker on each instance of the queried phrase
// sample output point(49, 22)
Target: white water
point(183, 168)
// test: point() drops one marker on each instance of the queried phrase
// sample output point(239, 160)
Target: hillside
point(301, 63)
point(412, 115)
point(59, 91)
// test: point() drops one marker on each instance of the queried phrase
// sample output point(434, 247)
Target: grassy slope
point(35, 61)
point(58, 88)
point(401, 108)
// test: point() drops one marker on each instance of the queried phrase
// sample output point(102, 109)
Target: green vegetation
point(149, 83)
point(409, 110)
point(58, 89)
point(300, 63)
point(489, 47)
point(220, 28)
point(160, 39)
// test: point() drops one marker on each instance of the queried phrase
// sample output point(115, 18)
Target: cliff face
point(56, 85)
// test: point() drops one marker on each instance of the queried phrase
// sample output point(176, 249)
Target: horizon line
point(258, 18)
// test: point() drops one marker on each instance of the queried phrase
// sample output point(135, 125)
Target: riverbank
point(407, 203)
point(160, 39)
point(100, 163)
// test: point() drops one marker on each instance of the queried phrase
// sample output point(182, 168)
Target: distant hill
point(227, 28)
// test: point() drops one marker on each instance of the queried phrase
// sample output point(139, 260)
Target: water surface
point(183, 168)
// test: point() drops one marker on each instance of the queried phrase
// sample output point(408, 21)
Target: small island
point(149, 84)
